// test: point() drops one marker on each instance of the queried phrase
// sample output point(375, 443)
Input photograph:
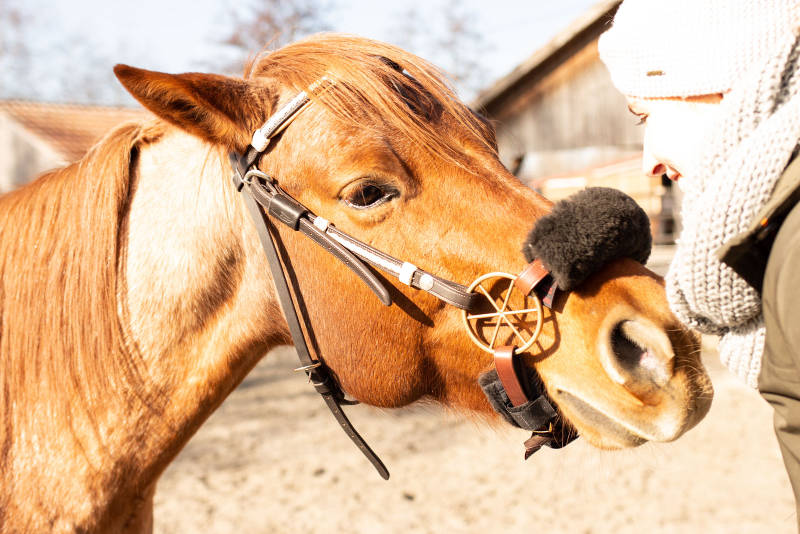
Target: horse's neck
point(190, 331)
point(188, 253)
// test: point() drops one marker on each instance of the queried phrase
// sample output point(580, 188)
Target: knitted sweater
point(751, 146)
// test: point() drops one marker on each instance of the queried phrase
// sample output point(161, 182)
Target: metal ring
point(269, 182)
point(503, 314)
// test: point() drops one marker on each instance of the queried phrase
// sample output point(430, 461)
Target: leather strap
point(530, 276)
point(536, 442)
point(450, 292)
point(294, 215)
point(535, 276)
point(505, 363)
point(259, 191)
point(350, 250)
point(317, 372)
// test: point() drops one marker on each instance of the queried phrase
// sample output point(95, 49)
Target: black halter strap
point(318, 374)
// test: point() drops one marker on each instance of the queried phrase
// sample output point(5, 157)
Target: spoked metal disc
point(505, 316)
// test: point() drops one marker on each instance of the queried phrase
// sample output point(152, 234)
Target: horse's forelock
point(377, 85)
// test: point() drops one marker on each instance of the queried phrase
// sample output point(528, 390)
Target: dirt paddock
point(272, 459)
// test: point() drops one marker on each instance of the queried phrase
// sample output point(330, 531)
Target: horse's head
point(388, 154)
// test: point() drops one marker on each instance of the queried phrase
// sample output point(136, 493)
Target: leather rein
point(267, 201)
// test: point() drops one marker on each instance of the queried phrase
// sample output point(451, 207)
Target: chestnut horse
point(134, 294)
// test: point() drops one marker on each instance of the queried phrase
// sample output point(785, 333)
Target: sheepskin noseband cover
point(586, 231)
point(577, 238)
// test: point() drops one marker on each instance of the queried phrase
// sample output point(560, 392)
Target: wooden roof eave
point(582, 31)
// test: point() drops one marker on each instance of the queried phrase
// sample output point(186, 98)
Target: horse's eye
point(369, 195)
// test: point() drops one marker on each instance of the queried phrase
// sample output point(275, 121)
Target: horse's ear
point(216, 108)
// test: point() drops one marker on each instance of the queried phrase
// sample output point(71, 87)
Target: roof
point(70, 129)
point(591, 23)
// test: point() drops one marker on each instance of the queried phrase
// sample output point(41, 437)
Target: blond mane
point(59, 263)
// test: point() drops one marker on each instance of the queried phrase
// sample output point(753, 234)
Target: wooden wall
point(569, 119)
point(572, 129)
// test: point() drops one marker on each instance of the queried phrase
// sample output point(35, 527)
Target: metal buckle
point(308, 368)
point(254, 173)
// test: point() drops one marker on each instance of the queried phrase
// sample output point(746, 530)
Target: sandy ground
point(272, 459)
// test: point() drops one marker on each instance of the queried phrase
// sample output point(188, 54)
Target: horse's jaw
point(609, 425)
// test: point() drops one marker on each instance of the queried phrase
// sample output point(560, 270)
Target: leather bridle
point(267, 201)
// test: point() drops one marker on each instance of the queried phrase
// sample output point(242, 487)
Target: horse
point(134, 295)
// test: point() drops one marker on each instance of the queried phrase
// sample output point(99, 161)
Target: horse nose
point(639, 357)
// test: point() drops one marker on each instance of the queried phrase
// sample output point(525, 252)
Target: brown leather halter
point(263, 196)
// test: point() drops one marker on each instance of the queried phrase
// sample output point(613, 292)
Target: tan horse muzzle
point(645, 387)
point(631, 381)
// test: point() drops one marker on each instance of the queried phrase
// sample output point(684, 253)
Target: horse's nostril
point(641, 357)
point(628, 353)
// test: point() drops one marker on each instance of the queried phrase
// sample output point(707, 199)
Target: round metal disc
point(505, 316)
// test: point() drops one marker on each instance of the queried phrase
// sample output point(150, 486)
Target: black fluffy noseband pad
point(586, 231)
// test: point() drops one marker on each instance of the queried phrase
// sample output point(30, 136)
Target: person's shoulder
point(782, 275)
point(785, 203)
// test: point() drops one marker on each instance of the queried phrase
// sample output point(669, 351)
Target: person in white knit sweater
point(716, 84)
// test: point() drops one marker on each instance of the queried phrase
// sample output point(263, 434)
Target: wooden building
point(37, 136)
point(562, 125)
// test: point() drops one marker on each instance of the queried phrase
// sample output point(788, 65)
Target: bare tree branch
point(449, 35)
point(271, 24)
point(67, 66)
point(13, 49)
point(465, 46)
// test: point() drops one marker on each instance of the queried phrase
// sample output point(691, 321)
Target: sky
point(182, 35)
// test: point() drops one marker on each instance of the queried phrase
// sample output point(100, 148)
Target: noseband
point(513, 389)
